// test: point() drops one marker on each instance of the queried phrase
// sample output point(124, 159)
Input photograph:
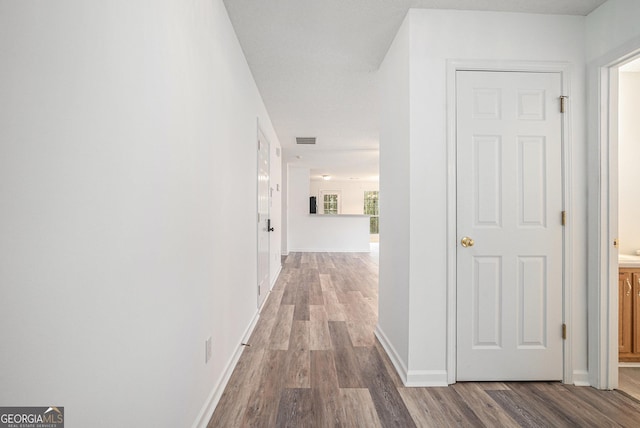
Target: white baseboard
point(331, 250)
point(427, 378)
point(581, 378)
point(397, 362)
point(214, 397)
point(275, 277)
point(411, 378)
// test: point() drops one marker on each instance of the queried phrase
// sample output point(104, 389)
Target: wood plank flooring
point(629, 381)
point(313, 361)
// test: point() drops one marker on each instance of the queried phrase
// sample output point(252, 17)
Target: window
point(330, 203)
point(371, 208)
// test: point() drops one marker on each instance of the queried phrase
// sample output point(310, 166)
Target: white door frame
point(602, 172)
point(478, 65)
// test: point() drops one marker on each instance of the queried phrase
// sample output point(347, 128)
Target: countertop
point(628, 261)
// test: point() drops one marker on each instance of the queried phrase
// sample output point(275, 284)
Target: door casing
point(458, 65)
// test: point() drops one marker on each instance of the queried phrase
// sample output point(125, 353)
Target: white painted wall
point(393, 313)
point(352, 193)
point(128, 189)
point(629, 163)
point(319, 233)
point(612, 25)
point(284, 235)
point(275, 238)
point(434, 37)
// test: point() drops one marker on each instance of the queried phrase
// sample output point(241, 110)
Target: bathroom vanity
point(629, 308)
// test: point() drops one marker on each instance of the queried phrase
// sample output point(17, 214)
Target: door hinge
point(564, 331)
point(563, 103)
point(259, 290)
point(615, 243)
point(564, 218)
point(258, 145)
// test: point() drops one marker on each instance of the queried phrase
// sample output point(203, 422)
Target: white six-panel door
point(509, 204)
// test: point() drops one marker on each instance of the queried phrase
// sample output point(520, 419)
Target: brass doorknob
point(467, 242)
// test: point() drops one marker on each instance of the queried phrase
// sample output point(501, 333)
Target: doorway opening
point(607, 288)
point(625, 142)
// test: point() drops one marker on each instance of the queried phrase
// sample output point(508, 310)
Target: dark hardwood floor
point(313, 361)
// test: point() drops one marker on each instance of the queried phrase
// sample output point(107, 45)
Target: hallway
point(313, 361)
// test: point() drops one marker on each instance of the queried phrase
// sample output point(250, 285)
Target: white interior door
point(509, 202)
point(263, 218)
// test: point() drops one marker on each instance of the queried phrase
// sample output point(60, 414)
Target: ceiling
point(315, 65)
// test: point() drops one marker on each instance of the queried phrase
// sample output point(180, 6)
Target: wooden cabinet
point(629, 314)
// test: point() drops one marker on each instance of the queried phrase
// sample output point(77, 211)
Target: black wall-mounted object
point(313, 205)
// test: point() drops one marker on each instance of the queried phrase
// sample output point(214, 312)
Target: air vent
point(305, 140)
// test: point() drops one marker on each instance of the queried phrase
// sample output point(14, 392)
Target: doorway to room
point(609, 260)
point(627, 131)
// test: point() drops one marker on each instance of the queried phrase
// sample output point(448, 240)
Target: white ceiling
point(315, 63)
point(359, 164)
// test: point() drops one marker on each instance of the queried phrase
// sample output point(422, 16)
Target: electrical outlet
point(207, 350)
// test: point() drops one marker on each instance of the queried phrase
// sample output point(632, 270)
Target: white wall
point(351, 193)
point(275, 238)
point(611, 26)
point(393, 313)
point(434, 37)
point(629, 163)
point(128, 189)
point(284, 235)
point(317, 233)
